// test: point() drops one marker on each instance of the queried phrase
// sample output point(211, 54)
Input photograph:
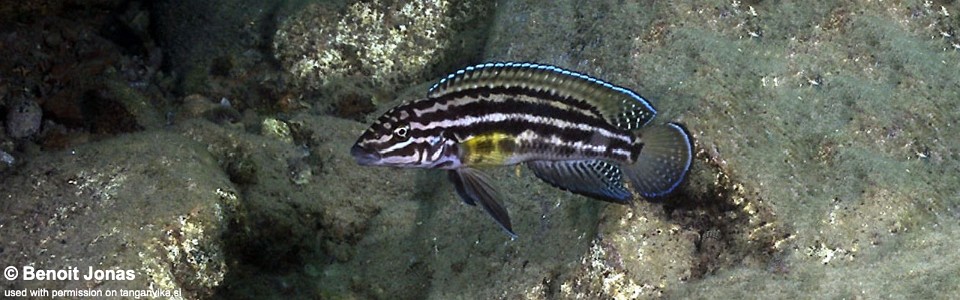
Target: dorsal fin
point(620, 106)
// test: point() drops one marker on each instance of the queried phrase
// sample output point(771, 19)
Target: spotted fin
point(473, 186)
point(663, 161)
point(595, 178)
point(619, 106)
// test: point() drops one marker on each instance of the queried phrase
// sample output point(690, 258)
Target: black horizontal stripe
point(480, 100)
point(511, 105)
point(543, 132)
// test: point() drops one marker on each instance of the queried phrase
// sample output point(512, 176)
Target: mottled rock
point(276, 129)
point(152, 203)
point(286, 226)
point(825, 164)
point(377, 47)
point(822, 135)
point(23, 118)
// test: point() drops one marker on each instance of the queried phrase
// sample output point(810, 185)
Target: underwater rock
point(824, 165)
point(194, 106)
point(152, 203)
point(197, 106)
point(116, 108)
point(276, 129)
point(23, 118)
point(196, 32)
point(6, 158)
point(380, 45)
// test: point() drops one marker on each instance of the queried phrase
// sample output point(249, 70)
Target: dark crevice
point(732, 224)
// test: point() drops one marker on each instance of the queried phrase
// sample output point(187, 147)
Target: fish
point(573, 131)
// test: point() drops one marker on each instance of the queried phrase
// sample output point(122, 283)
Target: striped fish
point(573, 131)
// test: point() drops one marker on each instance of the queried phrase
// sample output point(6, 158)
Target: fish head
point(397, 139)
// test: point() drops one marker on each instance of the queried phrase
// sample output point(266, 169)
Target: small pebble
point(277, 129)
point(23, 118)
point(7, 158)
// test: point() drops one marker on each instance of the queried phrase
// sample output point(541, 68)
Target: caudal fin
point(663, 161)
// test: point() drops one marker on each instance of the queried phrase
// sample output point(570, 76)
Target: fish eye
point(401, 132)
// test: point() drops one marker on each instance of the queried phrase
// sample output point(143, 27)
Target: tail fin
point(663, 161)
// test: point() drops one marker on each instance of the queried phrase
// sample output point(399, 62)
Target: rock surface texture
point(205, 147)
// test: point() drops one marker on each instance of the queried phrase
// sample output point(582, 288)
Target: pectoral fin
point(473, 186)
point(454, 177)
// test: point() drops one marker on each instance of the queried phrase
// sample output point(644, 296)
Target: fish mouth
point(363, 156)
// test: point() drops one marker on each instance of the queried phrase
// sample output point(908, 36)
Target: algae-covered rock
point(825, 160)
point(373, 48)
point(276, 129)
point(152, 205)
point(822, 156)
point(822, 135)
point(298, 215)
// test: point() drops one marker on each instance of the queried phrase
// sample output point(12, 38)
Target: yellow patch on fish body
point(490, 149)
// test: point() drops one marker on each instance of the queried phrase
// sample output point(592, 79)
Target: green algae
point(375, 48)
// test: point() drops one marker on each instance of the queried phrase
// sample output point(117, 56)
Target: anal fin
point(473, 186)
point(594, 178)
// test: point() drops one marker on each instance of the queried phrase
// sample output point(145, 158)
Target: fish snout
point(364, 156)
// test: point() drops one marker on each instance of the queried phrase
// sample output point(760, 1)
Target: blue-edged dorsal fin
point(663, 161)
point(594, 178)
point(473, 186)
point(620, 106)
